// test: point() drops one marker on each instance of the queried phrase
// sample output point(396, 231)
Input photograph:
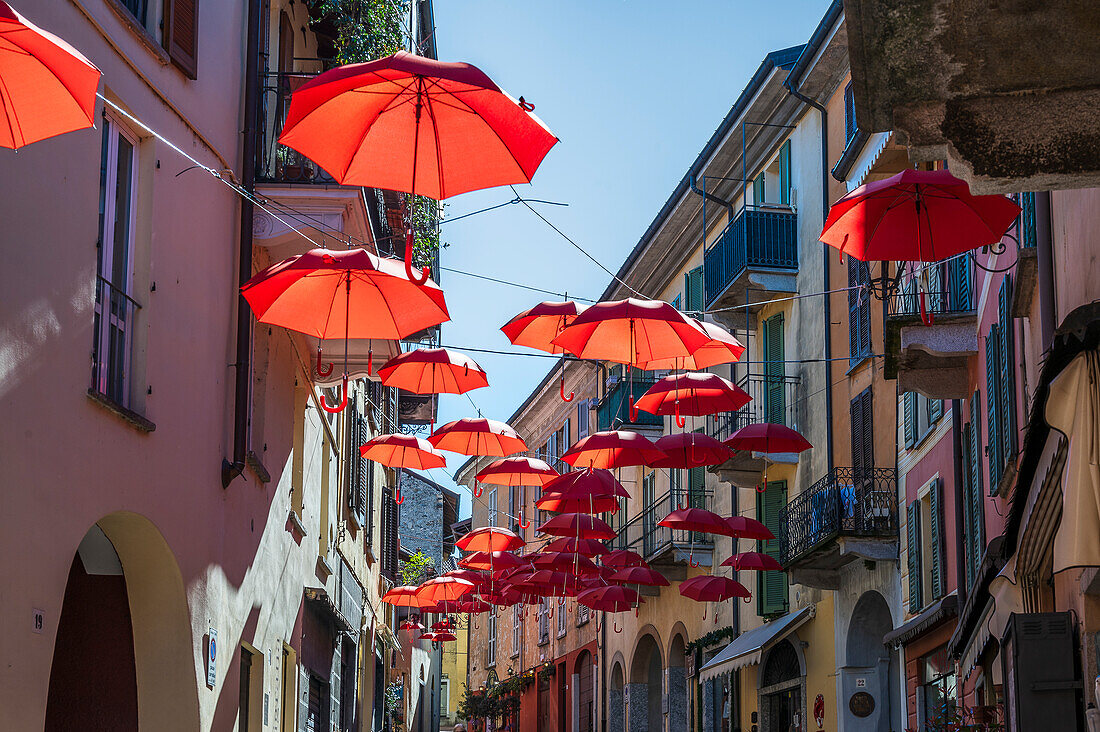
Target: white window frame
point(491, 642)
point(107, 280)
point(444, 695)
point(493, 506)
point(544, 621)
point(561, 617)
point(517, 626)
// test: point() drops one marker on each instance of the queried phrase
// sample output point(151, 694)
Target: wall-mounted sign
point(38, 620)
point(211, 658)
point(861, 683)
point(819, 710)
point(861, 704)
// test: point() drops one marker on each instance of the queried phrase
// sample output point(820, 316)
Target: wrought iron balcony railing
point(613, 411)
point(642, 535)
point(948, 290)
point(277, 163)
point(852, 502)
point(756, 237)
point(112, 344)
point(774, 399)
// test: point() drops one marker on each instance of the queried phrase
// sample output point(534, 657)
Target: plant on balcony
point(416, 569)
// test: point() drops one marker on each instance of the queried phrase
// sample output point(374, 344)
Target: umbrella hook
point(691, 562)
point(680, 421)
point(747, 599)
point(370, 361)
point(561, 385)
point(615, 626)
point(424, 271)
point(525, 105)
point(523, 524)
point(925, 317)
point(761, 490)
point(343, 400)
point(633, 410)
point(704, 612)
point(398, 498)
point(478, 490)
point(322, 370)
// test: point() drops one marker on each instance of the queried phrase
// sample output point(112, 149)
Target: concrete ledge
point(825, 579)
point(875, 550)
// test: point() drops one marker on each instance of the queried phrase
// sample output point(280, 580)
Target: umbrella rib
point(366, 131)
point(8, 104)
point(438, 151)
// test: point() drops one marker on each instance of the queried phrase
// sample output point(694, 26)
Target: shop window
point(937, 691)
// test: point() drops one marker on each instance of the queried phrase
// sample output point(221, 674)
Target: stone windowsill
point(135, 420)
point(252, 460)
point(140, 32)
point(324, 570)
point(294, 525)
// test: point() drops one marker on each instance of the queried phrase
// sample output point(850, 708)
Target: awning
point(748, 648)
point(946, 607)
point(978, 641)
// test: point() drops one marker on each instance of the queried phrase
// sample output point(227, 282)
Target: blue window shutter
point(976, 470)
point(993, 442)
point(936, 540)
point(912, 533)
point(1006, 397)
point(935, 410)
point(694, 290)
point(785, 173)
point(758, 189)
point(772, 586)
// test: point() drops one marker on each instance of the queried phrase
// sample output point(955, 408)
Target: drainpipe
point(1044, 242)
point(709, 197)
point(960, 530)
point(825, 253)
point(242, 363)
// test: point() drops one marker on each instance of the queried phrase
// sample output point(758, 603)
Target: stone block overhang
point(933, 360)
point(1007, 93)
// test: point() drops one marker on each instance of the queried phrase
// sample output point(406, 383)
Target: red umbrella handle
point(523, 524)
point(398, 498)
point(343, 400)
point(424, 271)
point(704, 612)
point(680, 421)
point(747, 599)
point(633, 410)
point(925, 317)
point(370, 361)
point(525, 105)
point(615, 627)
point(322, 370)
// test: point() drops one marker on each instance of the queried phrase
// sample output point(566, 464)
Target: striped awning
point(748, 648)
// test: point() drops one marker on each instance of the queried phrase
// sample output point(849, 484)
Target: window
point(582, 614)
point(676, 485)
point(583, 416)
point(775, 368)
point(771, 587)
point(1000, 391)
point(360, 475)
point(677, 301)
point(517, 628)
point(391, 517)
point(850, 127)
point(1025, 223)
point(924, 544)
point(973, 505)
point(491, 642)
point(919, 416)
point(561, 616)
point(544, 621)
point(859, 311)
point(861, 410)
point(937, 688)
point(181, 35)
point(317, 705)
point(693, 291)
point(493, 506)
point(115, 307)
point(444, 695)
point(649, 520)
point(348, 668)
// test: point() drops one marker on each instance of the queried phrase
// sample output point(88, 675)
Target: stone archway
point(643, 693)
point(782, 683)
point(870, 668)
point(616, 713)
point(125, 597)
point(584, 694)
point(677, 686)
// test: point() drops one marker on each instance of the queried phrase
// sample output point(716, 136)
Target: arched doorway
point(781, 692)
point(584, 694)
point(616, 713)
point(123, 651)
point(867, 678)
point(643, 693)
point(677, 686)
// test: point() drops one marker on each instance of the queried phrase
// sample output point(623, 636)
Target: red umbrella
point(623, 558)
point(721, 348)
point(692, 394)
point(753, 560)
point(916, 216)
point(47, 87)
point(478, 437)
point(631, 331)
point(475, 577)
point(743, 527)
point(402, 597)
point(472, 607)
point(712, 588)
point(768, 438)
point(539, 326)
point(350, 294)
point(411, 625)
point(575, 524)
point(444, 624)
point(443, 589)
point(640, 576)
point(566, 503)
point(610, 599)
point(591, 482)
point(517, 471)
point(614, 449)
point(584, 547)
point(691, 450)
point(362, 123)
point(402, 451)
point(433, 371)
point(696, 519)
point(494, 561)
point(564, 562)
point(550, 583)
point(490, 539)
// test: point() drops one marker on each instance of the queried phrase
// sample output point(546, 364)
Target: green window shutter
point(912, 532)
point(935, 410)
point(936, 541)
point(696, 485)
point(1006, 396)
point(693, 290)
point(853, 309)
point(969, 545)
point(863, 436)
point(992, 408)
point(772, 586)
point(758, 189)
point(785, 173)
point(855, 412)
point(959, 284)
point(976, 473)
point(909, 412)
point(774, 370)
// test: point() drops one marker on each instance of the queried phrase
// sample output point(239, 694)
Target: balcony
point(613, 410)
point(931, 337)
point(756, 254)
point(775, 400)
point(851, 513)
point(660, 544)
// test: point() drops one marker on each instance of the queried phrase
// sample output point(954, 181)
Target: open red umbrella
point(691, 450)
point(692, 394)
point(712, 588)
point(753, 560)
point(402, 597)
point(590, 482)
point(623, 558)
point(493, 561)
point(433, 371)
point(478, 437)
point(767, 438)
point(490, 539)
point(414, 124)
point(564, 562)
point(916, 216)
point(721, 348)
point(579, 525)
point(517, 471)
point(566, 503)
point(610, 599)
point(412, 625)
point(631, 332)
point(584, 547)
point(473, 607)
point(402, 451)
point(443, 589)
point(476, 577)
point(743, 527)
point(613, 449)
point(540, 325)
point(696, 519)
point(639, 576)
point(47, 87)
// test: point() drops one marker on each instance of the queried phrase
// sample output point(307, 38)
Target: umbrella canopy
point(696, 519)
point(444, 624)
point(517, 471)
point(623, 558)
point(414, 124)
point(550, 583)
point(539, 326)
point(584, 547)
point(476, 577)
point(493, 561)
point(632, 332)
point(591, 482)
point(916, 216)
point(475, 606)
point(692, 394)
point(47, 87)
point(564, 562)
point(433, 371)
point(640, 576)
point(691, 450)
point(348, 294)
point(768, 438)
point(443, 589)
point(490, 539)
point(566, 503)
point(613, 449)
point(753, 560)
point(402, 597)
point(721, 348)
point(579, 525)
point(743, 527)
point(478, 437)
point(712, 588)
point(402, 451)
point(411, 625)
point(610, 599)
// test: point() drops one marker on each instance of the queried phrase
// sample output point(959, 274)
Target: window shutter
point(912, 531)
point(909, 410)
point(785, 173)
point(390, 520)
point(993, 443)
point(334, 684)
point(935, 410)
point(863, 435)
point(849, 114)
point(864, 278)
point(181, 34)
point(853, 309)
point(696, 485)
point(758, 189)
point(969, 543)
point(936, 540)
point(693, 290)
point(959, 283)
point(1006, 397)
point(303, 699)
point(772, 586)
point(774, 370)
point(935, 287)
point(976, 479)
point(867, 402)
point(855, 412)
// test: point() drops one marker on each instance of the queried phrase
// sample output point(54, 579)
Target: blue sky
point(633, 89)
